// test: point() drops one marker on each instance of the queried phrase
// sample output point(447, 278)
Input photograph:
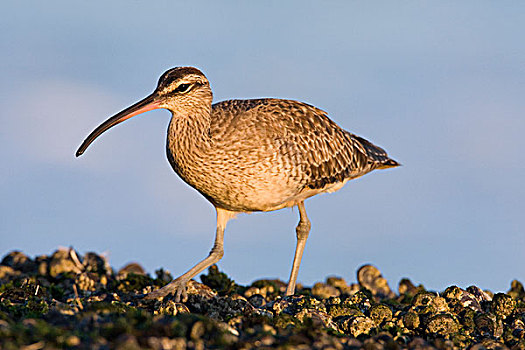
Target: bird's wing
point(313, 148)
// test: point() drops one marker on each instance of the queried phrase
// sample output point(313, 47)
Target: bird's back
point(280, 152)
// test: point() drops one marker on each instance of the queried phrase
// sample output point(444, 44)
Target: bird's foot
point(177, 287)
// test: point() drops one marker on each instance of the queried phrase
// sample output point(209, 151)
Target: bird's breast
point(243, 180)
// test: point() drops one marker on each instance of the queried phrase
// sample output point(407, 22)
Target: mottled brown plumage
point(251, 155)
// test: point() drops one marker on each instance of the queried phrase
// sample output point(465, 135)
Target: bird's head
point(180, 90)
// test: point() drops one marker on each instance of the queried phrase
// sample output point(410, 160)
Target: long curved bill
point(142, 106)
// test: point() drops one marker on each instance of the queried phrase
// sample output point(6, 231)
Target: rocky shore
point(66, 300)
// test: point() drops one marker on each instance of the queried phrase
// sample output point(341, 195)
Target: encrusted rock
point(486, 324)
point(132, 267)
point(453, 293)
point(172, 308)
point(411, 320)
point(467, 320)
point(203, 290)
point(341, 284)
point(257, 300)
point(62, 262)
point(516, 290)
point(442, 324)
point(97, 264)
point(67, 300)
point(357, 325)
point(325, 291)
point(407, 287)
point(503, 305)
point(163, 275)
point(218, 281)
point(337, 310)
point(281, 305)
point(85, 282)
point(19, 261)
point(318, 317)
point(267, 287)
point(440, 305)
point(8, 272)
point(361, 300)
point(380, 313)
point(370, 278)
point(480, 294)
point(471, 301)
point(337, 282)
point(423, 299)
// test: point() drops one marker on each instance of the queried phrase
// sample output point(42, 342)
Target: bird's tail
point(389, 163)
point(377, 154)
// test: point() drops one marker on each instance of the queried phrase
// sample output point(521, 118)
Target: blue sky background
point(440, 85)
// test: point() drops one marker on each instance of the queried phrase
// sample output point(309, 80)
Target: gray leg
point(178, 285)
point(302, 230)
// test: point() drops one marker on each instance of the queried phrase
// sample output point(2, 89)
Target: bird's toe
point(177, 287)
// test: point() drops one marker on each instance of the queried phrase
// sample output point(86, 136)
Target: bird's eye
point(182, 88)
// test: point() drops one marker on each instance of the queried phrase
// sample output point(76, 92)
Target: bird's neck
point(189, 134)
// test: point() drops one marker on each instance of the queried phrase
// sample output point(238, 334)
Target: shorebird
point(250, 155)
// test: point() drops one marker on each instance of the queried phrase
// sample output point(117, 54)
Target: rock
point(411, 320)
point(440, 305)
point(200, 289)
point(502, 305)
point(169, 307)
point(7, 272)
point(516, 290)
point(62, 262)
point(164, 276)
point(337, 282)
point(370, 278)
point(423, 299)
point(85, 282)
point(471, 301)
point(324, 291)
point(337, 310)
point(442, 324)
point(357, 325)
point(132, 267)
point(407, 287)
point(486, 324)
point(317, 317)
point(479, 294)
point(453, 293)
point(19, 261)
point(380, 313)
point(218, 281)
point(341, 285)
point(361, 300)
point(257, 300)
point(99, 265)
point(71, 301)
